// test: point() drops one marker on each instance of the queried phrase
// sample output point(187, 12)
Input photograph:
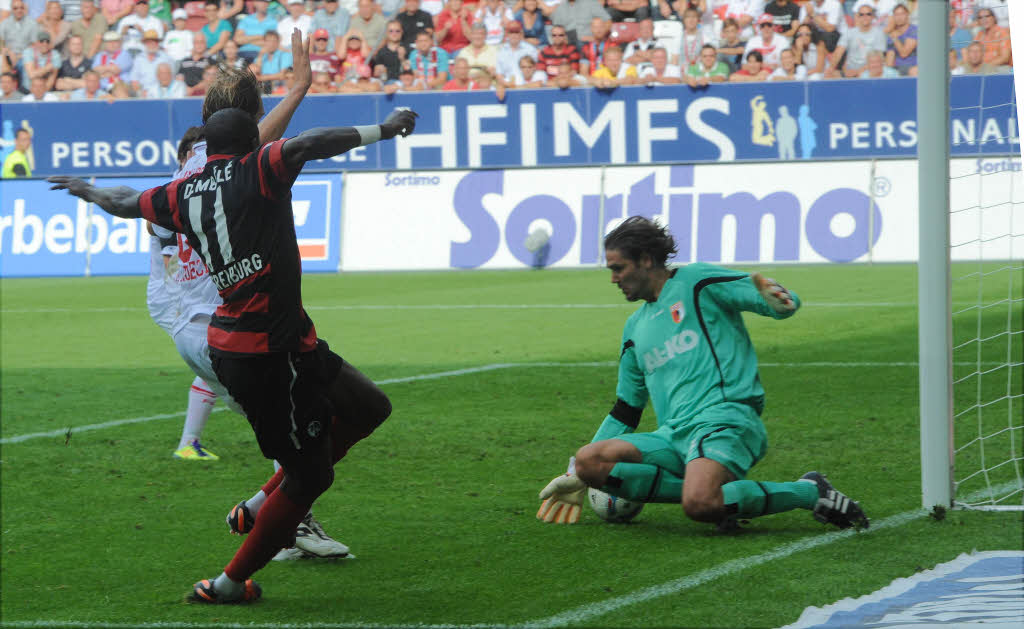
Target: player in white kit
point(181, 299)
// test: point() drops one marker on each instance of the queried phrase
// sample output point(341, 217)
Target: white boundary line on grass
point(436, 376)
point(824, 304)
point(578, 614)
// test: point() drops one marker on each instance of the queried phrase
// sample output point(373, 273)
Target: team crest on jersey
point(677, 312)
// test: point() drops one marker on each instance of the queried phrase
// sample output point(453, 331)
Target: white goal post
point(970, 296)
point(935, 335)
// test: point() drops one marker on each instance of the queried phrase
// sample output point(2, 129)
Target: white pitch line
point(493, 367)
point(575, 615)
point(110, 424)
point(594, 610)
point(448, 374)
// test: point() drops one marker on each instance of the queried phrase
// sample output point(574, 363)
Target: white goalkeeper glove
point(563, 497)
point(774, 293)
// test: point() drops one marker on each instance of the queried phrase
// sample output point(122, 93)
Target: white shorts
point(195, 351)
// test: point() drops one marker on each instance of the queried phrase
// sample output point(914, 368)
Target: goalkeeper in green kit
point(686, 349)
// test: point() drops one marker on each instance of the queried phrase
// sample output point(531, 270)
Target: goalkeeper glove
point(776, 295)
point(562, 497)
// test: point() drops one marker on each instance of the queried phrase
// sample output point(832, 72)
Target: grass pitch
point(102, 526)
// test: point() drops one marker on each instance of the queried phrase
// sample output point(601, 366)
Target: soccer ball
point(612, 508)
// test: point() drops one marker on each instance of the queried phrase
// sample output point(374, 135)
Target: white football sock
point(256, 502)
point(227, 588)
point(201, 401)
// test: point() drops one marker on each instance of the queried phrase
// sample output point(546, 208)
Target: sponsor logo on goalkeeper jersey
point(676, 345)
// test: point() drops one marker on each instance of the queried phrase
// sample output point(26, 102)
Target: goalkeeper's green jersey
point(690, 350)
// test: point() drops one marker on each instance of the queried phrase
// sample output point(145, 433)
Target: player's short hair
point(234, 88)
point(192, 135)
point(22, 131)
point(637, 237)
point(230, 132)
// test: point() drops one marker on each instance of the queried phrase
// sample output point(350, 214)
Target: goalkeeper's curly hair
point(233, 88)
point(637, 237)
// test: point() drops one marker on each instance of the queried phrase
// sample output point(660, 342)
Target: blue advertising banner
point(819, 120)
point(45, 233)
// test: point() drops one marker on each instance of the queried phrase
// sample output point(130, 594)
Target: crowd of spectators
point(104, 49)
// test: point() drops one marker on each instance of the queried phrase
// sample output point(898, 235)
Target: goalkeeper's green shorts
point(729, 433)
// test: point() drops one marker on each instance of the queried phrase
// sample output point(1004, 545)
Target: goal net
point(972, 358)
point(986, 250)
point(987, 271)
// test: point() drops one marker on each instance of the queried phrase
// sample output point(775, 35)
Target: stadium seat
point(624, 32)
point(669, 33)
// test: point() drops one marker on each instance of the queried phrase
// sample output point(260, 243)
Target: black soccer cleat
point(833, 506)
point(203, 592)
point(239, 520)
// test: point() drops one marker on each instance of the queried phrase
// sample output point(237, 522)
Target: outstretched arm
point(273, 125)
point(324, 142)
point(752, 293)
point(120, 201)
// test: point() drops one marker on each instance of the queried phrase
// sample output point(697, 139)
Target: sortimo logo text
point(393, 180)
point(699, 217)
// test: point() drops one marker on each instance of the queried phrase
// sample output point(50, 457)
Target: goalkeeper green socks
point(645, 483)
point(751, 499)
point(745, 498)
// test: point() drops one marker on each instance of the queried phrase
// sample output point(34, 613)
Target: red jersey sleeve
point(276, 177)
point(160, 206)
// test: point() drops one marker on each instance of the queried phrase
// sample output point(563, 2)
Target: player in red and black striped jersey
point(239, 211)
point(237, 214)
